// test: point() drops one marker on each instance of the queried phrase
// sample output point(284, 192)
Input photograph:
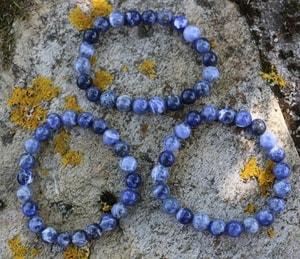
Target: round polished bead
point(119, 210)
point(93, 231)
point(117, 19)
point(107, 222)
point(171, 206)
point(265, 218)
point(234, 228)
point(99, 126)
point(217, 227)
point(133, 180)
point(202, 88)
point(157, 105)
point(161, 191)
point(110, 137)
point(277, 154)
point(64, 239)
point(184, 216)
point(201, 221)
point(251, 225)
point(133, 18)
point(182, 130)
point(166, 158)
point(85, 120)
point(243, 118)
point(91, 36)
point(36, 224)
point(69, 118)
point(26, 161)
point(124, 103)
point(149, 17)
point(108, 99)
point(160, 173)
point(164, 17)
point(42, 132)
point(122, 148)
point(227, 116)
point(258, 127)
point(173, 102)
point(180, 22)
point(210, 74)
point(32, 146)
point(24, 193)
point(193, 118)
point(140, 106)
point(129, 197)
point(101, 24)
point(30, 208)
point(282, 188)
point(209, 113)
point(209, 58)
point(128, 164)
point(281, 170)
point(188, 96)
point(79, 238)
point(86, 50)
point(276, 204)
point(84, 81)
point(49, 235)
point(82, 65)
point(25, 177)
point(53, 121)
point(171, 143)
point(191, 33)
point(202, 45)
point(268, 140)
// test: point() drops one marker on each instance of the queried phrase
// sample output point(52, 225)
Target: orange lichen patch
point(28, 103)
point(273, 77)
point(101, 8)
point(271, 232)
point(250, 208)
point(74, 252)
point(93, 60)
point(20, 251)
point(102, 79)
point(265, 177)
point(71, 104)
point(147, 68)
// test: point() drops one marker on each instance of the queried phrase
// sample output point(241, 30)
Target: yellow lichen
point(71, 104)
point(213, 43)
point(20, 251)
point(105, 207)
point(28, 103)
point(124, 69)
point(74, 252)
point(102, 79)
point(72, 158)
point(273, 77)
point(44, 172)
point(93, 60)
point(250, 208)
point(147, 67)
point(100, 8)
point(271, 232)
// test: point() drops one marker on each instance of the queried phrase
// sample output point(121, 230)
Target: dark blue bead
point(86, 50)
point(93, 94)
point(184, 216)
point(171, 143)
point(171, 206)
point(202, 45)
point(129, 197)
point(201, 221)
point(53, 121)
point(49, 235)
point(85, 120)
point(101, 24)
point(90, 36)
point(277, 154)
point(217, 227)
point(42, 132)
point(182, 130)
point(30, 208)
point(173, 102)
point(265, 218)
point(133, 180)
point(281, 170)
point(69, 118)
point(234, 228)
point(209, 59)
point(180, 22)
point(32, 146)
point(25, 177)
point(117, 19)
point(107, 222)
point(161, 191)
point(36, 224)
point(166, 158)
point(282, 188)
point(122, 148)
point(124, 103)
point(140, 106)
point(133, 18)
point(258, 127)
point(227, 116)
point(64, 239)
point(84, 81)
point(202, 88)
point(164, 17)
point(157, 105)
point(108, 99)
point(99, 126)
point(119, 210)
point(26, 161)
point(93, 231)
point(209, 113)
point(82, 65)
point(110, 137)
point(243, 119)
point(193, 118)
point(149, 17)
point(210, 74)
point(79, 238)
point(188, 96)
point(276, 204)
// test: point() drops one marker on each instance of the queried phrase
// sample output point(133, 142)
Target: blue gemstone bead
point(171, 206)
point(128, 164)
point(217, 227)
point(180, 22)
point(79, 238)
point(124, 103)
point(210, 74)
point(32, 146)
point(107, 222)
point(276, 204)
point(25, 177)
point(64, 239)
point(36, 224)
point(122, 148)
point(24, 193)
point(209, 113)
point(30, 208)
point(49, 235)
point(133, 180)
point(251, 225)
point(129, 197)
point(268, 140)
point(99, 126)
point(166, 158)
point(164, 17)
point(202, 45)
point(93, 231)
point(149, 17)
point(117, 19)
point(108, 99)
point(282, 188)
point(119, 210)
point(69, 118)
point(93, 94)
point(85, 120)
point(191, 33)
point(234, 228)
point(161, 191)
point(133, 18)
point(193, 118)
point(160, 173)
point(90, 36)
point(243, 118)
point(157, 105)
point(184, 216)
point(82, 65)
point(281, 170)
point(42, 132)
point(171, 143)
point(202, 88)
point(53, 121)
point(258, 127)
point(86, 50)
point(227, 116)
point(209, 59)
point(265, 218)
point(182, 130)
point(188, 96)
point(110, 137)
point(140, 106)
point(26, 161)
point(101, 24)
point(173, 102)
point(201, 221)
point(277, 154)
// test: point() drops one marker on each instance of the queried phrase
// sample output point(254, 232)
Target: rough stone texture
point(206, 175)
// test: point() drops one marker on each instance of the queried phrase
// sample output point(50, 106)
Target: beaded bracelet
point(200, 220)
point(108, 221)
point(156, 104)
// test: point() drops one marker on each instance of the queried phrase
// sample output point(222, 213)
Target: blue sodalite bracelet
point(200, 220)
point(156, 104)
point(108, 221)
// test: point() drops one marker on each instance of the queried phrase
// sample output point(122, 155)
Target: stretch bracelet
point(156, 105)
point(200, 220)
point(108, 221)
